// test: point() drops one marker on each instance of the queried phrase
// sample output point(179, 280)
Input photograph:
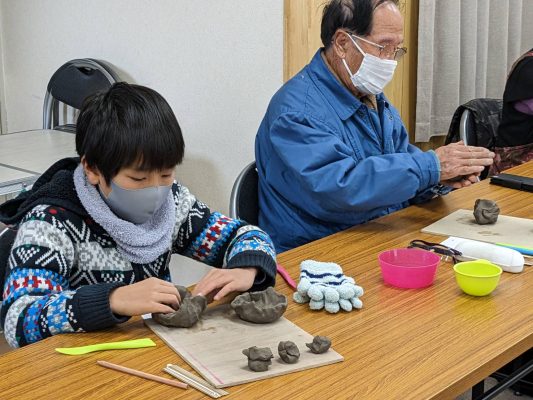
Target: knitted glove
point(324, 285)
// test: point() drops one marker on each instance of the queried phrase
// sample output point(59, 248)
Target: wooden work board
point(508, 230)
point(213, 347)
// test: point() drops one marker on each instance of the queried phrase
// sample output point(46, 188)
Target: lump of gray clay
point(191, 308)
point(258, 358)
point(320, 344)
point(260, 307)
point(486, 212)
point(288, 352)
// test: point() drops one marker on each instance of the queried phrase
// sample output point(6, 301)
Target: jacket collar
point(338, 96)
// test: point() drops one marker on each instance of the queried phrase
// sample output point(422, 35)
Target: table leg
point(478, 390)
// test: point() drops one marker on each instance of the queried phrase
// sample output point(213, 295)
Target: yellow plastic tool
point(125, 344)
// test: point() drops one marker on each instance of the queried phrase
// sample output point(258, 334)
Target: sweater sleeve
point(38, 300)
point(220, 241)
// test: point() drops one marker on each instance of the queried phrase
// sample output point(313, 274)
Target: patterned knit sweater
point(63, 265)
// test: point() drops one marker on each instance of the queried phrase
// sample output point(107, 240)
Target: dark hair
point(129, 125)
point(353, 15)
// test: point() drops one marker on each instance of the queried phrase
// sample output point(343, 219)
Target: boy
point(95, 234)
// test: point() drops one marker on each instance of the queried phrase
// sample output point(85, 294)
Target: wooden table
point(26, 155)
point(432, 343)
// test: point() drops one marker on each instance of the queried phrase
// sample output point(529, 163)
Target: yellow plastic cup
point(477, 278)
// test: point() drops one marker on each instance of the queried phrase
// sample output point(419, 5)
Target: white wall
point(217, 62)
point(3, 122)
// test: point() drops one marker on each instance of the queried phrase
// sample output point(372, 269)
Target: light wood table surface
point(431, 343)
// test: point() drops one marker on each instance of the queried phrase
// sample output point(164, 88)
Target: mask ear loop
point(346, 66)
point(356, 45)
point(358, 48)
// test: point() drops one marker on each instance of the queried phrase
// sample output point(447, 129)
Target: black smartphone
point(513, 181)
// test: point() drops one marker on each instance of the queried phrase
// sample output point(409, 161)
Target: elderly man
point(331, 151)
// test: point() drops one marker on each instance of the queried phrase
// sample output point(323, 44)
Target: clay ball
point(486, 211)
point(189, 313)
point(288, 352)
point(260, 307)
point(320, 344)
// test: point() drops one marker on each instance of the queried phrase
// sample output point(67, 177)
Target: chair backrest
point(476, 123)
point(71, 84)
point(467, 130)
point(244, 199)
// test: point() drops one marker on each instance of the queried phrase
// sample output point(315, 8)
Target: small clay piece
point(258, 358)
point(486, 212)
point(191, 308)
point(320, 344)
point(260, 307)
point(288, 352)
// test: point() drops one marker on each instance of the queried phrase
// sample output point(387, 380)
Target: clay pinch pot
point(189, 313)
point(260, 307)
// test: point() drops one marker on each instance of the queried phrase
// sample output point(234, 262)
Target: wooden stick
point(142, 374)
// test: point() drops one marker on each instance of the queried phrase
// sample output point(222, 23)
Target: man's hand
point(149, 296)
point(456, 159)
point(462, 182)
point(224, 281)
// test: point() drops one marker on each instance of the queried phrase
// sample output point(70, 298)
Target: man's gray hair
point(353, 15)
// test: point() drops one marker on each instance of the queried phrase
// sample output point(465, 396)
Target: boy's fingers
point(209, 287)
point(162, 308)
point(171, 290)
point(227, 289)
point(168, 299)
point(210, 282)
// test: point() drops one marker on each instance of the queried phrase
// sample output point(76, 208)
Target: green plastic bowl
point(477, 278)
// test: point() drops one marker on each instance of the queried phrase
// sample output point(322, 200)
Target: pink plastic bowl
point(408, 268)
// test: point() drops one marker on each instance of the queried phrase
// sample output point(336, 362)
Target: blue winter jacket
point(327, 162)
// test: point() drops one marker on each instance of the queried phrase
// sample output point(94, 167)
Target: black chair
point(71, 84)
point(467, 129)
point(476, 123)
point(244, 199)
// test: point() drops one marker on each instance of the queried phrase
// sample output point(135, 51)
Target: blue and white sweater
point(63, 265)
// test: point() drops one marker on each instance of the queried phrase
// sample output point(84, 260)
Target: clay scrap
point(258, 358)
point(320, 344)
point(486, 212)
point(260, 307)
point(191, 308)
point(288, 352)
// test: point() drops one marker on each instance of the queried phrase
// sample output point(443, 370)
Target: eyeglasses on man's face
point(388, 51)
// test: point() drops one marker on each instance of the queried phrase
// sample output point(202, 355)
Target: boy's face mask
point(136, 206)
point(373, 74)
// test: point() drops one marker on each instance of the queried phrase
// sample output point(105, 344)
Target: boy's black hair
point(354, 15)
point(128, 126)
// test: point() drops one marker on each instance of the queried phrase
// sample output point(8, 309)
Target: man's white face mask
point(373, 74)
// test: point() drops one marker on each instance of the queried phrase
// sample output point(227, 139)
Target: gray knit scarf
point(141, 243)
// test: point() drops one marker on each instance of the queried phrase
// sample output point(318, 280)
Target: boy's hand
point(152, 295)
point(224, 281)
